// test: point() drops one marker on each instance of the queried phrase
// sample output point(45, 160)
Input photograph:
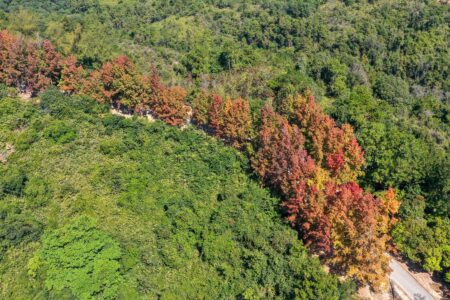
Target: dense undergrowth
point(173, 214)
point(381, 66)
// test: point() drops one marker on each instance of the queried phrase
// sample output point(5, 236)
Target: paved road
point(407, 283)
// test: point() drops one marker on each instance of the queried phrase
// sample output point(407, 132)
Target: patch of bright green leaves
point(80, 258)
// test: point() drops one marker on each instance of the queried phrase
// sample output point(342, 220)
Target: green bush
point(60, 132)
point(391, 88)
point(62, 106)
point(16, 227)
point(113, 146)
point(425, 241)
point(37, 191)
point(25, 139)
point(6, 91)
point(80, 258)
point(12, 182)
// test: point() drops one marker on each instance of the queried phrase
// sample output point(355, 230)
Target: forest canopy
point(332, 104)
point(170, 212)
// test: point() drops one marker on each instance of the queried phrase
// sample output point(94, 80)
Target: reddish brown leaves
point(281, 160)
point(237, 122)
point(170, 106)
point(120, 84)
point(43, 66)
point(335, 161)
point(231, 120)
point(166, 104)
point(335, 217)
point(216, 115)
point(31, 67)
point(117, 82)
point(12, 60)
point(332, 147)
point(72, 75)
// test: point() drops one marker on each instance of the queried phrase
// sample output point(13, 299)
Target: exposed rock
point(25, 96)
point(6, 152)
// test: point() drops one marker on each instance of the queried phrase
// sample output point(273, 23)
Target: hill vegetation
point(304, 156)
point(263, 77)
point(95, 205)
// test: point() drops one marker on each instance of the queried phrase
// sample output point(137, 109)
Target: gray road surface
point(407, 283)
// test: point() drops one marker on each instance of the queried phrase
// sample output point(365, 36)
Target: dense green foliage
point(79, 260)
point(177, 215)
point(382, 66)
point(333, 156)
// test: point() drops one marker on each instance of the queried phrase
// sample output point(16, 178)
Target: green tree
point(81, 258)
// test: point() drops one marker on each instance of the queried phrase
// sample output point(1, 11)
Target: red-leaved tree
point(12, 59)
point(43, 66)
point(332, 147)
point(215, 113)
point(281, 161)
point(335, 217)
point(117, 82)
point(72, 75)
point(167, 104)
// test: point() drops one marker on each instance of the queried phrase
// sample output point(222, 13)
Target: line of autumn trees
point(298, 151)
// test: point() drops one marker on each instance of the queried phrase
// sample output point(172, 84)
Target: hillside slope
point(93, 204)
point(381, 66)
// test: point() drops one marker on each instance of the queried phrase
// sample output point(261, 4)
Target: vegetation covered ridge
point(297, 150)
point(97, 206)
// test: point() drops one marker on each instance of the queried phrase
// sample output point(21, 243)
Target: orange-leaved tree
point(167, 103)
point(360, 231)
point(332, 147)
point(43, 66)
point(231, 120)
point(72, 75)
point(118, 83)
point(237, 122)
point(12, 59)
point(346, 226)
